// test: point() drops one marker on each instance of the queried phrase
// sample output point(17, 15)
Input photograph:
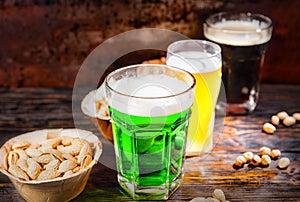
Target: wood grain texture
point(23, 110)
point(44, 43)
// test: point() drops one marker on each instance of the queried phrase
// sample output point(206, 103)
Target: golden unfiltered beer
point(206, 68)
point(202, 122)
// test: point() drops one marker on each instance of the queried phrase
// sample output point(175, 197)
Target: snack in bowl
point(95, 105)
point(50, 164)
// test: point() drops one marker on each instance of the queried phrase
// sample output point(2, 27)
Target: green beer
point(158, 143)
point(149, 110)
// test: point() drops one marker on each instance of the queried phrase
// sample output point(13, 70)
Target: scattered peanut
point(219, 194)
point(283, 163)
point(275, 153)
point(275, 120)
point(282, 115)
point(256, 160)
point(240, 161)
point(198, 199)
point(248, 156)
point(265, 151)
point(210, 199)
point(56, 157)
point(289, 121)
point(296, 116)
point(265, 160)
point(269, 128)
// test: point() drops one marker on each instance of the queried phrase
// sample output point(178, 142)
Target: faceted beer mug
point(149, 106)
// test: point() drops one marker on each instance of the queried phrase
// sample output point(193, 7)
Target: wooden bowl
point(95, 106)
point(58, 189)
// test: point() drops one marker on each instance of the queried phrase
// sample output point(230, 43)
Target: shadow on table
point(102, 186)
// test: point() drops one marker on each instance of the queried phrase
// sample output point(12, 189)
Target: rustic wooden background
point(43, 43)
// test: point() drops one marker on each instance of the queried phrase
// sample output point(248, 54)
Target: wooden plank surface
point(23, 110)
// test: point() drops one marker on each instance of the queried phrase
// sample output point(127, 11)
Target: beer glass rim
point(215, 46)
point(187, 89)
point(243, 17)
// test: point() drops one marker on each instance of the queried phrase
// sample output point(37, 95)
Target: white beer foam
point(238, 33)
point(194, 61)
point(143, 89)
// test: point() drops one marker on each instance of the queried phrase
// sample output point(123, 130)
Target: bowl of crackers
point(50, 164)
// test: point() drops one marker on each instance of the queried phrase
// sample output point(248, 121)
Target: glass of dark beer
point(243, 38)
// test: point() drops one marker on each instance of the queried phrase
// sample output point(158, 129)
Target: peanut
point(210, 199)
point(52, 143)
point(20, 145)
point(275, 120)
point(248, 156)
point(219, 194)
point(54, 164)
point(45, 161)
point(283, 163)
point(85, 150)
point(265, 151)
point(18, 172)
point(68, 173)
point(86, 160)
point(265, 160)
point(256, 160)
point(34, 168)
point(22, 163)
point(198, 199)
point(289, 121)
point(282, 115)
point(296, 116)
point(269, 128)
point(12, 158)
point(66, 165)
point(48, 174)
point(240, 161)
point(32, 152)
point(275, 153)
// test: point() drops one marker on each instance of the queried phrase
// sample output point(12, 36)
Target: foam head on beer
point(150, 94)
point(238, 32)
point(194, 61)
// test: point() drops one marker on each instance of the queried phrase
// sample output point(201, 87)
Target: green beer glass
point(149, 106)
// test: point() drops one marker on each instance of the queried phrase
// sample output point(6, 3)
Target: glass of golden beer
point(202, 59)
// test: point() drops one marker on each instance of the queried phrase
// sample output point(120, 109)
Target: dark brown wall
point(43, 43)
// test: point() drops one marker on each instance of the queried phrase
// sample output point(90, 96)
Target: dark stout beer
point(243, 39)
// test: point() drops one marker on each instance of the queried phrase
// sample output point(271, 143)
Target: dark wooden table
point(23, 110)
